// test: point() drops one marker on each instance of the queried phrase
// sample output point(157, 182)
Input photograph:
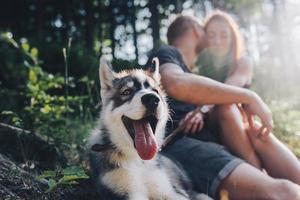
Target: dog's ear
point(154, 69)
point(106, 75)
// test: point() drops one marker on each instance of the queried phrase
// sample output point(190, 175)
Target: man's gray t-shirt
point(178, 109)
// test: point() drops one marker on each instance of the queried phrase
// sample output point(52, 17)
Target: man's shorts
point(206, 163)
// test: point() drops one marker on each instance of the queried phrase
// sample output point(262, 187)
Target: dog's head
point(134, 109)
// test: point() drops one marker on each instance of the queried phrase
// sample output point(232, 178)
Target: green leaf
point(61, 98)
point(47, 174)
point(34, 53)
point(46, 109)
point(16, 121)
point(74, 171)
point(84, 79)
point(25, 47)
point(52, 184)
point(107, 42)
point(33, 88)
point(69, 180)
point(69, 183)
point(33, 101)
point(32, 76)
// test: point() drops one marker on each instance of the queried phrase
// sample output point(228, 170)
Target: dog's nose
point(150, 101)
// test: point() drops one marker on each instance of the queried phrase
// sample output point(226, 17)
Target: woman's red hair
point(237, 45)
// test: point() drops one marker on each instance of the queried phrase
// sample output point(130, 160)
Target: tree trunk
point(133, 20)
point(40, 20)
point(25, 147)
point(203, 7)
point(89, 29)
point(67, 16)
point(178, 6)
point(154, 22)
point(112, 29)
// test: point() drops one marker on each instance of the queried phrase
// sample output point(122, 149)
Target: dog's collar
point(102, 147)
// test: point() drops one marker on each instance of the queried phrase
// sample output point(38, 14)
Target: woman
point(224, 60)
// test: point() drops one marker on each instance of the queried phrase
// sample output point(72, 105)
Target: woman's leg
point(277, 159)
point(234, 135)
point(268, 152)
point(246, 182)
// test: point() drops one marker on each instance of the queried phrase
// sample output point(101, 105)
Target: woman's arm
point(242, 74)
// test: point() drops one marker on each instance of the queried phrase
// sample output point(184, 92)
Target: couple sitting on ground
point(254, 164)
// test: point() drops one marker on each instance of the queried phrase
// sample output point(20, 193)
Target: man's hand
point(258, 108)
point(192, 123)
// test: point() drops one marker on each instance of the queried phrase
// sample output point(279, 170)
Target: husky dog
point(124, 157)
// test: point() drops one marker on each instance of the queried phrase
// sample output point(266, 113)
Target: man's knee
point(283, 189)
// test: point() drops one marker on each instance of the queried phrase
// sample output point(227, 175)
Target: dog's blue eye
point(126, 92)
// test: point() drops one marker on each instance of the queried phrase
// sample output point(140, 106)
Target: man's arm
point(198, 90)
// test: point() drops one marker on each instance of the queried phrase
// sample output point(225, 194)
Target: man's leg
point(233, 133)
point(247, 182)
point(212, 169)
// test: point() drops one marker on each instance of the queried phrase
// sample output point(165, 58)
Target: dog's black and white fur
point(124, 158)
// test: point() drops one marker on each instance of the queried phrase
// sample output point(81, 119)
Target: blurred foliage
point(48, 109)
point(10, 117)
point(287, 122)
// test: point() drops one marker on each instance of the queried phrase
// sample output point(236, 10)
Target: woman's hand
point(193, 122)
point(259, 108)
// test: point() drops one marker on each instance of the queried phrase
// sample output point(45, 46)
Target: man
point(208, 164)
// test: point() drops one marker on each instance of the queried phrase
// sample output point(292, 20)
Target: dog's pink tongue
point(144, 139)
